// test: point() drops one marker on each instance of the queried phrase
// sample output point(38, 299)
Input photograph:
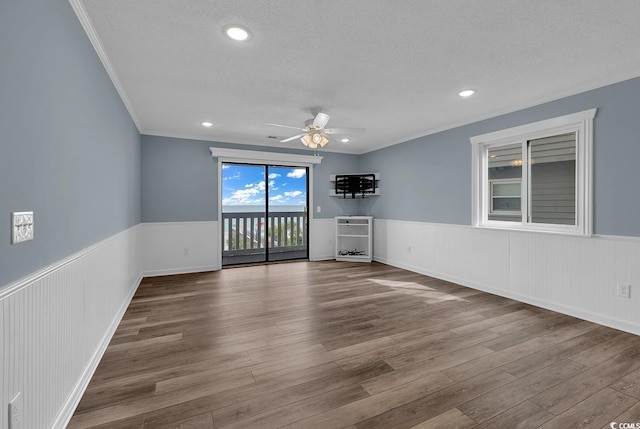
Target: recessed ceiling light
point(237, 33)
point(466, 93)
point(207, 124)
point(345, 140)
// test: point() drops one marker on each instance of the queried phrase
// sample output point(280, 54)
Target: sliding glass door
point(264, 213)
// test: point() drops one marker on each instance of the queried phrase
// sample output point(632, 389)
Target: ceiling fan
point(315, 134)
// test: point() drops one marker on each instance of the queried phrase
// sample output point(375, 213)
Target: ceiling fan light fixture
point(237, 33)
point(306, 140)
point(314, 132)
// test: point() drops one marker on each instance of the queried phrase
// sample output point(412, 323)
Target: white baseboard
point(571, 275)
point(180, 270)
point(319, 258)
point(56, 324)
point(66, 413)
point(179, 247)
point(611, 322)
point(91, 290)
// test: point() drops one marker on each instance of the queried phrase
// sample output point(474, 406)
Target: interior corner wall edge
point(571, 275)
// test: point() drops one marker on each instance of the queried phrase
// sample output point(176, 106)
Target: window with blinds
point(536, 176)
point(552, 186)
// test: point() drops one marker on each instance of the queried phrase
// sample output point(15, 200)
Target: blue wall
point(69, 150)
point(429, 179)
point(180, 179)
point(426, 179)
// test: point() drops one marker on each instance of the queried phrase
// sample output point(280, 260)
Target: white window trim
point(582, 124)
point(259, 157)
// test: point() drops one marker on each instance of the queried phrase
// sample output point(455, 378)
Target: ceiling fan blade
point(293, 138)
point(345, 130)
point(286, 126)
point(321, 120)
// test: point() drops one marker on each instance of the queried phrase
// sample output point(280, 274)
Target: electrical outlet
point(15, 412)
point(624, 290)
point(185, 252)
point(21, 227)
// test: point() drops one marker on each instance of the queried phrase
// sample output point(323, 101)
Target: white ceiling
point(392, 67)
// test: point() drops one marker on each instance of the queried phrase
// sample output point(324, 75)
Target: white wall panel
point(163, 246)
point(179, 247)
point(55, 325)
point(573, 275)
point(322, 233)
point(451, 252)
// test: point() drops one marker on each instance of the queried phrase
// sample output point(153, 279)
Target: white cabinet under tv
point(354, 238)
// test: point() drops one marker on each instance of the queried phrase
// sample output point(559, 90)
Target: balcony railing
point(249, 233)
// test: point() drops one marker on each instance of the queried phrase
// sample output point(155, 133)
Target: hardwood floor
point(348, 345)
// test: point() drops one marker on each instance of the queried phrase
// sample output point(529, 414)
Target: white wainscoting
point(179, 247)
point(322, 236)
point(163, 246)
point(56, 324)
point(571, 275)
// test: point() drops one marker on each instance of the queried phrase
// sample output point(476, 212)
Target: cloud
point(297, 173)
point(235, 176)
point(253, 193)
point(243, 197)
point(274, 175)
point(276, 199)
point(225, 166)
point(292, 194)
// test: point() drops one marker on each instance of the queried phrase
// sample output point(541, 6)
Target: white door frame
point(259, 157)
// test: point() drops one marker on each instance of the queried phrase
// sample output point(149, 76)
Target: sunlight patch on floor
point(416, 289)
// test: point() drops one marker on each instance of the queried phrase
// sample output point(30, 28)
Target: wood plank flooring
point(348, 345)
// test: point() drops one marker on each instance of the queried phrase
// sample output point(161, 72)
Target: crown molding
point(90, 30)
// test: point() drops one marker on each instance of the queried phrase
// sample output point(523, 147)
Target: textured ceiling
point(392, 67)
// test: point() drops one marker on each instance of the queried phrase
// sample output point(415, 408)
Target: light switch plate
point(21, 227)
